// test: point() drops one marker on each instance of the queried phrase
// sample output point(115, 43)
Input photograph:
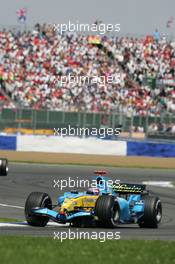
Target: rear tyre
point(41, 200)
point(108, 211)
point(3, 167)
point(152, 212)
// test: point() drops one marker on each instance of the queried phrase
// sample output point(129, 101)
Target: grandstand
point(33, 62)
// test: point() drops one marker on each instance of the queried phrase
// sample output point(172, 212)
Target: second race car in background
point(3, 167)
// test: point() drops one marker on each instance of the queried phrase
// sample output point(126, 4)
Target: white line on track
point(11, 206)
point(165, 184)
point(24, 224)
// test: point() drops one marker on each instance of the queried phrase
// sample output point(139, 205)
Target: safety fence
point(30, 121)
point(97, 146)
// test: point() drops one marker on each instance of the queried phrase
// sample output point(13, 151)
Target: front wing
point(60, 217)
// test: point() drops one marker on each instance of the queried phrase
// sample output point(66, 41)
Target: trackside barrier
point(150, 149)
point(8, 142)
point(71, 145)
point(85, 146)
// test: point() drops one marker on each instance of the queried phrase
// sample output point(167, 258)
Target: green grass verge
point(94, 165)
point(15, 250)
point(8, 220)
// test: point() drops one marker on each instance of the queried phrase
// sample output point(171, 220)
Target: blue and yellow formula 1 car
point(3, 167)
point(107, 205)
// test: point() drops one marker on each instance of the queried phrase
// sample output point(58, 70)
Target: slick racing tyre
point(3, 167)
point(41, 200)
point(152, 212)
point(108, 211)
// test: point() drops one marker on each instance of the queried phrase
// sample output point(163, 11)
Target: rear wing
point(129, 188)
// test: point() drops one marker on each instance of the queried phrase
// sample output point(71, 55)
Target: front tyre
point(152, 212)
point(41, 200)
point(107, 210)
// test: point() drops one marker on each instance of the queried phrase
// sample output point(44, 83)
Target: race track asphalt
point(26, 178)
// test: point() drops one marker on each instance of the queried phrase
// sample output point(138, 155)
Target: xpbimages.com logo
point(73, 235)
point(89, 80)
point(86, 132)
point(96, 27)
point(77, 183)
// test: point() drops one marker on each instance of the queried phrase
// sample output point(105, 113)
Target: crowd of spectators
point(161, 128)
point(33, 62)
